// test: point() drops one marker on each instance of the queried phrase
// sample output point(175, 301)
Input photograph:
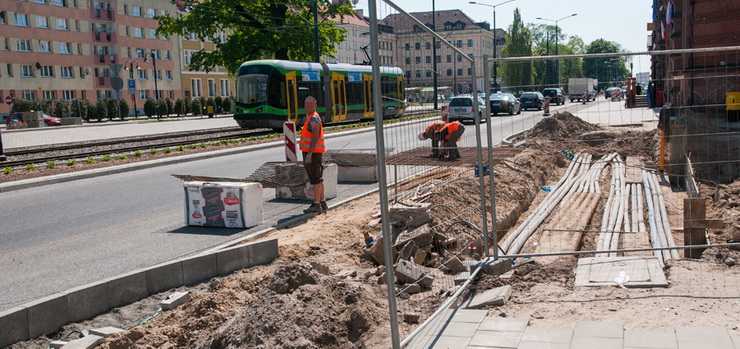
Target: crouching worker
point(449, 135)
point(429, 134)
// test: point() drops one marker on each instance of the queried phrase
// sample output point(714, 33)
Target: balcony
point(102, 14)
point(104, 37)
point(102, 82)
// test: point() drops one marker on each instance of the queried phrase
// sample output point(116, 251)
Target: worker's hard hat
point(422, 137)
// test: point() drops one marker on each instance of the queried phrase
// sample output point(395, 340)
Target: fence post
point(2, 154)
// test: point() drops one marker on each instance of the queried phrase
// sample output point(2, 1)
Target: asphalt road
point(64, 235)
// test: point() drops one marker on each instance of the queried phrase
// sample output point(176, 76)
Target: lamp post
point(130, 69)
point(556, 39)
point(154, 75)
point(495, 64)
point(434, 58)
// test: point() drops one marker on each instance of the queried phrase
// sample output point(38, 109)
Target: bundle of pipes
point(615, 210)
point(660, 230)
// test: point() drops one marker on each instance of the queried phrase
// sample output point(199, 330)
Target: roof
point(401, 24)
point(355, 19)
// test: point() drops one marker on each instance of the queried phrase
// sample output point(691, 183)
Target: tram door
point(367, 84)
point(291, 94)
point(338, 97)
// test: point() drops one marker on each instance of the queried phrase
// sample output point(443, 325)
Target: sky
point(623, 22)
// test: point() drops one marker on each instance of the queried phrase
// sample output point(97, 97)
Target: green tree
point(162, 108)
point(101, 110)
point(170, 106)
point(195, 106)
point(124, 108)
point(46, 106)
point(179, 107)
point(61, 109)
point(112, 105)
point(186, 105)
point(219, 102)
point(605, 69)
point(280, 29)
point(226, 105)
point(519, 75)
point(150, 107)
point(80, 108)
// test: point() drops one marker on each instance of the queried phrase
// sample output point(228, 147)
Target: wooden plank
point(694, 210)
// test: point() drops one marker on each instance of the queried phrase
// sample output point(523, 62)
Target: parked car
point(14, 118)
point(608, 93)
point(556, 95)
point(532, 100)
point(462, 108)
point(505, 103)
point(52, 120)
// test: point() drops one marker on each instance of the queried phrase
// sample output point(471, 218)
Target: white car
point(462, 108)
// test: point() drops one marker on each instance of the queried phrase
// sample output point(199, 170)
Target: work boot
point(324, 206)
point(314, 208)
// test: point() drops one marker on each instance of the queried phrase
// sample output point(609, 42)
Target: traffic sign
point(116, 83)
point(131, 83)
point(8, 100)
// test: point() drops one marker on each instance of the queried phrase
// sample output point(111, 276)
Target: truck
point(577, 87)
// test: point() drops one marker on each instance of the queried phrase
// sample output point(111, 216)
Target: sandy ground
point(325, 292)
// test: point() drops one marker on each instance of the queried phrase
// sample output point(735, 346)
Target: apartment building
point(67, 49)
point(414, 52)
point(196, 84)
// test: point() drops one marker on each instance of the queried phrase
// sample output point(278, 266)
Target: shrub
point(195, 106)
point(187, 105)
point(122, 157)
point(166, 150)
point(7, 170)
point(90, 159)
point(179, 107)
point(30, 167)
point(112, 106)
point(71, 162)
point(170, 106)
point(219, 104)
point(153, 151)
point(101, 110)
point(203, 145)
point(137, 154)
point(124, 108)
point(106, 158)
point(61, 109)
point(226, 105)
point(180, 148)
point(162, 108)
point(46, 106)
point(150, 107)
point(51, 164)
point(193, 146)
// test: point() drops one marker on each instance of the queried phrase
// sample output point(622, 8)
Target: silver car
point(461, 108)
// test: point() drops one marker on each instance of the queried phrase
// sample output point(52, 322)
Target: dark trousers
point(452, 143)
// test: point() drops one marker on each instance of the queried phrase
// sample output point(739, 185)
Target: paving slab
point(86, 342)
point(543, 345)
point(449, 342)
point(469, 315)
point(105, 331)
point(494, 296)
point(658, 340)
point(598, 329)
point(735, 341)
point(706, 335)
point(460, 329)
point(601, 271)
point(496, 339)
point(596, 342)
point(502, 324)
point(547, 334)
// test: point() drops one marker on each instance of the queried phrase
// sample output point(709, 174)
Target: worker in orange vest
point(312, 146)
point(429, 134)
point(449, 135)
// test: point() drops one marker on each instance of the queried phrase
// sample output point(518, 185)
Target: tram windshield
point(252, 89)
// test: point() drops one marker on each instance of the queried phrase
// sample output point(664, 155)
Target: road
point(65, 235)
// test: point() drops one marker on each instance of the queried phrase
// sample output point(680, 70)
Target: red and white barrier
point(546, 106)
point(289, 135)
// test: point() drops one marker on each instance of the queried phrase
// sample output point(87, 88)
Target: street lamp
point(609, 70)
point(154, 62)
point(495, 76)
point(556, 39)
point(130, 69)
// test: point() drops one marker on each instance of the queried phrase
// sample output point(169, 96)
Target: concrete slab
point(717, 336)
point(105, 331)
point(461, 278)
point(263, 252)
point(127, 288)
point(232, 259)
point(463, 315)
point(459, 329)
point(174, 300)
point(57, 344)
point(14, 325)
point(496, 339)
point(198, 269)
point(47, 314)
point(84, 342)
point(503, 324)
point(87, 301)
point(735, 341)
point(355, 174)
point(658, 340)
point(596, 342)
point(598, 329)
point(547, 334)
point(602, 271)
point(444, 342)
point(164, 277)
point(492, 266)
point(494, 296)
point(542, 345)
point(702, 345)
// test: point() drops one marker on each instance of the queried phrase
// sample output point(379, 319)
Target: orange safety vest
point(451, 128)
point(435, 126)
point(307, 136)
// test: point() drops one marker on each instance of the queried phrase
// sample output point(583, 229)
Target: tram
point(270, 92)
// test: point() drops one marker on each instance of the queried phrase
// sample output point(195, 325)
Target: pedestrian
point(449, 135)
point(429, 134)
point(312, 146)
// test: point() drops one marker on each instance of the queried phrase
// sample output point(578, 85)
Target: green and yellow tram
point(270, 92)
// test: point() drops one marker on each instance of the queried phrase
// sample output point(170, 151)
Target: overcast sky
point(623, 22)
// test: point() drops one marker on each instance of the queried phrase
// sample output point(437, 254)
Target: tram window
point(276, 96)
point(354, 92)
point(315, 89)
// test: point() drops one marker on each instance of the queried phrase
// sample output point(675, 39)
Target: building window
point(42, 22)
point(125, 9)
point(24, 45)
point(187, 54)
point(470, 42)
point(155, 54)
point(459, 26)
point(26, 71)
point(448, 26)
point(196, 88)
point(470, 55)
point(191, 36)
point(170, 94)
point(150, 13)
point(62, 3)
point(138, 33)
point(157, 75)
point(142, 95)
point(29, 95)
point(470, 71)
point(152, 34)
point(211, 88)
point(225, 88)
point(408, 46)
point(21, 19)
point(62, 24)
point(140, 53)
point(6, 44)
point(82, 73)
point(67, 72)
point(47, 71)
point(44, 46)
point(168, 74)
point(167, 55)
point(50, 95)
point(449, 58)
point(64, 48)
point(459, 71)
point(459, 58)
point(428, 46)
point(142, 74)
point(449, 72)
point(417, 73)
point(136, 11)
point(417, 46)
point(458, 43)
point(408, 60)
point(68, 96)
point(429, 73)
point(428, 59)
point(79, 49)
point(417, 59)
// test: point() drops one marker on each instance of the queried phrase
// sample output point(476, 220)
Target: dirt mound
point(307, 309)
point(560, 126)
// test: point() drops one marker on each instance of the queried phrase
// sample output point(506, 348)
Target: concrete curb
point(46, 315)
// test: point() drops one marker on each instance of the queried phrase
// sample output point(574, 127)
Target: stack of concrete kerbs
point(223, 204)
point(47, 315)
point(305, 191)
point(357, 166)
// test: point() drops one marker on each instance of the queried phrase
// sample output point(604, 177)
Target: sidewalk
point(473, 329)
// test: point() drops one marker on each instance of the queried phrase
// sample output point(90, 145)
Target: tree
point(179, 107)
point(219, 104)
point(195, 106)
point(150, 107)
point(112, 108)
point(519, 75)
point(606, 69)
point(186, 106)
point(257, 29)
point(124, 108)
point(226, 105)
point(101, 110)
point(162, 108)
point(80, 108)
point(61, 109)
point(170, 106)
